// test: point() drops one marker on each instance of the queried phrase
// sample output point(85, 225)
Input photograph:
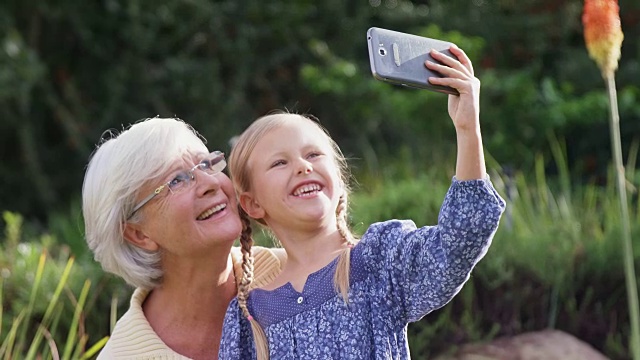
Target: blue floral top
point(399, 273)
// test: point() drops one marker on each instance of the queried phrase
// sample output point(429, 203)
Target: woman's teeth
point(212, 211)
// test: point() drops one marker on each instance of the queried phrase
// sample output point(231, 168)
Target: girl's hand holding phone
point(464, 109)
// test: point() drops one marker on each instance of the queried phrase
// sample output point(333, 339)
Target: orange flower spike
point(603, 33)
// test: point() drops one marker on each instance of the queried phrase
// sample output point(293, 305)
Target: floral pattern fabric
point(399, 273)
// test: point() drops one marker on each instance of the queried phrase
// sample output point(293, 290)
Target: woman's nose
point(207, 182)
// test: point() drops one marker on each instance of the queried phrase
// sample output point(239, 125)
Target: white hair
point(118, 169)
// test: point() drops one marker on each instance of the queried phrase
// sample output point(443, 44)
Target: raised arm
point(426, 267)
point(419, 270)
point(464, 110)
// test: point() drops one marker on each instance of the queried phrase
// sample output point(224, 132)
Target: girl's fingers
point(462, 57)
point(463, 85)
point(462, 62)
point(447, 71)
point(446, 60)
point(456, 73)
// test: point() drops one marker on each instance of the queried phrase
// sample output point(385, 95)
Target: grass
point(34, 334)
point(554, 263)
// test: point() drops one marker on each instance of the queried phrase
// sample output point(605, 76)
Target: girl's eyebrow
point(275, 155)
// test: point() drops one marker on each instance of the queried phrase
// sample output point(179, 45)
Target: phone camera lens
point(382, 51)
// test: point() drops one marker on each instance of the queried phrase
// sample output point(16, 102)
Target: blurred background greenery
point(71, 70)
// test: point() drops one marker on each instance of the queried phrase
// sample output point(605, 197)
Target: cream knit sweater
point(134, 339)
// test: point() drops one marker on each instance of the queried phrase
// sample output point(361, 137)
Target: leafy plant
point(553, 262)
point(603, 36)
point(34, 329)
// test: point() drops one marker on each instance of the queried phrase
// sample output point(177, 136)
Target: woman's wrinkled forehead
point(188, 158)
point(184, 145)
point(182, 151)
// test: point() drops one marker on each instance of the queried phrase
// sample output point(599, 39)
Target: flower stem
point(629, 270)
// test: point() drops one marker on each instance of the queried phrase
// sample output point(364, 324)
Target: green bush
point(46, 301)
point(555, 261)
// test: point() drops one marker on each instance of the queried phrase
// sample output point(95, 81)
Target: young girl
point(338, 297)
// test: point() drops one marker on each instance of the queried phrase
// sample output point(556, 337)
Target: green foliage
point(68, 72)
point(565, 241)
point(555, 260)
point(388, 129)
point(42, 315)
point(69, 227)
point(417, 198)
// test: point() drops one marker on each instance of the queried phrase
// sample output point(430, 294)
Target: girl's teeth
point(306, 189)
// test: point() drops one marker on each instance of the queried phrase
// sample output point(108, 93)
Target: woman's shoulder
point(134, 338)
point(267, 264)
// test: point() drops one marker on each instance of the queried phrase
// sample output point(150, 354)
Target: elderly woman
point(160, 213)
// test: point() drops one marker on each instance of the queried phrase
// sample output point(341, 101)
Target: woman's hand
point(464, 109)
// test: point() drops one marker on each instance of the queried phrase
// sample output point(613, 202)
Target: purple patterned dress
point(399, 273)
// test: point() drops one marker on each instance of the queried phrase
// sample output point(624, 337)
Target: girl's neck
point(306, 247)
point(307, 252)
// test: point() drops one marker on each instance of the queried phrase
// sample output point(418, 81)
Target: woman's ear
point(250, 205)
point(135, 235)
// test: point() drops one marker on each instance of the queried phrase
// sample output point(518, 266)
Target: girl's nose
point(305, 168)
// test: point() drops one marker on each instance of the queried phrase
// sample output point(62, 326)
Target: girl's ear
point(135, 235)
point(343, 188)
point(251, 206)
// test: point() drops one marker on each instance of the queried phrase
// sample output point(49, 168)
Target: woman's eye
point(178, 181)
point(205, 165)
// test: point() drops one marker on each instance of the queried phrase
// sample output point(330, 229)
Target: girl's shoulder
point(383, 240)
point(389, 226)
point(385, 233)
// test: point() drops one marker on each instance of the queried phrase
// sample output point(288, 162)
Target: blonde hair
point(119, 167)
point(240, 175)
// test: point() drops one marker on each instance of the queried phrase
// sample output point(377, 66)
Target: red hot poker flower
point(603, 33)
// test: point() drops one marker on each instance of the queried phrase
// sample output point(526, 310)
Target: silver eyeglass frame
point(215, 163)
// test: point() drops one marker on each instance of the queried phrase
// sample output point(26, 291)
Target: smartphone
point(399, 58)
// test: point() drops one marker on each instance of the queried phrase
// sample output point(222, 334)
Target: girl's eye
point(180, 180)
point(314, 154)
point(278, 163)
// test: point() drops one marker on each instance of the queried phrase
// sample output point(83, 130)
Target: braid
point(341, 217)
point(341, 278)
point(246, 243)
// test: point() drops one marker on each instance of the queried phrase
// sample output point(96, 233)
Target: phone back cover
point(404, 57)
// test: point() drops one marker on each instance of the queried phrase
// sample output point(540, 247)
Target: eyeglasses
point(213, 164)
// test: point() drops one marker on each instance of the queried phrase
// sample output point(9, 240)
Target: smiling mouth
point(307, 190)
point(209, 213)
